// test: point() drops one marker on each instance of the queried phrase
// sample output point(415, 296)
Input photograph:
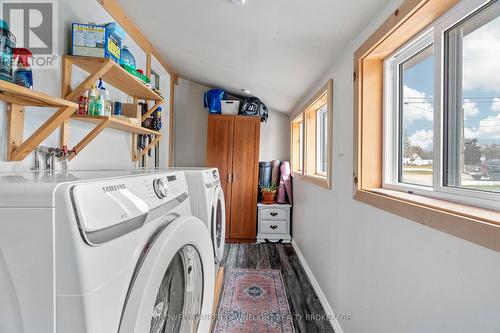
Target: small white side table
point(274, 223)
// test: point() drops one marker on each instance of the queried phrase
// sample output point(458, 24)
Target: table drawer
point(273, 214)
point(273, 227)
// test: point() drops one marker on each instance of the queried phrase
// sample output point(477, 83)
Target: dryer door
point(218, 223)
point(172, 287)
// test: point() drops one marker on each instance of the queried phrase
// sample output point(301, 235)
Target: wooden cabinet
point(233, 147)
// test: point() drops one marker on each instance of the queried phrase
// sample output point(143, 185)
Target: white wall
point(190, 139)
point(191, 128)
point(390, 274)
point(111, 149)
point(275, 138)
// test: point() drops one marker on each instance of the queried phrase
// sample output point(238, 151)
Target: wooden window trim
point(309, 160)
point(477, 225)
point(297, 165)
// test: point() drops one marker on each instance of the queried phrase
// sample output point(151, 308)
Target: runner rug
point(254, 301)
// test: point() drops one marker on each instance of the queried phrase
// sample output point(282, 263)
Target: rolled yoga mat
point(275, 172)
point(285, 190)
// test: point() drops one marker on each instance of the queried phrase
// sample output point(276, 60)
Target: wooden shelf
point(114, 74)
point(15, 94)
point(103, 122)
point(116, 123)
point(17, 98)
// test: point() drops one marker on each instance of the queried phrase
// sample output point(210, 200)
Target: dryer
point(207, 203)
point(103, 252)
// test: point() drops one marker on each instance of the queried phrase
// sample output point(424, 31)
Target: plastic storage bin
point(230, 107)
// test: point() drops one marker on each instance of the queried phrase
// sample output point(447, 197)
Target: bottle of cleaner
point(92, 101)
point(83, 104)
point(100, 102)
point(107, 103)
point(23, 75)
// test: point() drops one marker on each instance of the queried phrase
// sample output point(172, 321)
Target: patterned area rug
point(254, 301)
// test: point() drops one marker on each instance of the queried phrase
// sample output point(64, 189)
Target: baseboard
point(322, 298)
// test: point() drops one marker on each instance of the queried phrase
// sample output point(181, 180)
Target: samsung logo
point(114, 188)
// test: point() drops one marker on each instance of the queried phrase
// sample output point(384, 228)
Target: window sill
point(477, 225)
point(317, 180)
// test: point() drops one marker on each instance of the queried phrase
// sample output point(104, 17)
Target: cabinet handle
point(232, 181)
point(274, 214)
point(274, 226)
point(228, 177)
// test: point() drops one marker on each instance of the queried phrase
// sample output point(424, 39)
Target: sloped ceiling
point(277, 49)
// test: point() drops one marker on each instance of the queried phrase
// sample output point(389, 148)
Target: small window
point(297, 131)
point(312, 138)
point(322, 141)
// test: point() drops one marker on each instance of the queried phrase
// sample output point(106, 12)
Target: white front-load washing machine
point(207, 203)
point(101, 252)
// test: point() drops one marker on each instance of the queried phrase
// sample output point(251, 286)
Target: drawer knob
point(274, 226)
point(274, 214)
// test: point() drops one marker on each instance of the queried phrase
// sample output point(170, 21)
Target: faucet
point(51, 155)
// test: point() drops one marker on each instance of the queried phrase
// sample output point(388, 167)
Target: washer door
point(172, 287)
point(218, 223)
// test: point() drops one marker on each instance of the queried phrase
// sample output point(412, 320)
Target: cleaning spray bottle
point(92, 101)
point(101, 102)
point(23, 75)
point(107, 103)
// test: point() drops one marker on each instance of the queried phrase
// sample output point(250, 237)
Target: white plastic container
point(230, 107)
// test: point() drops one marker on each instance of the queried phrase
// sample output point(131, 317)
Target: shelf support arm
point(19, 152)
point(153, 109)
point(147, 148)
point(87, 83)
point(88, 138)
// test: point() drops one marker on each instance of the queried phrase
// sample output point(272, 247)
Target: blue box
point(91, 40)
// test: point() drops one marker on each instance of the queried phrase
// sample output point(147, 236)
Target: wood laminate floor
point(301, 296)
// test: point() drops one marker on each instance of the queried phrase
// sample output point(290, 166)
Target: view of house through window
point(459, 155)
point(416, 112)
point(473, 116)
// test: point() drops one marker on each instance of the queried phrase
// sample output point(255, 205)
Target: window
point(460, 38)
point(322, 141)
point(312, 138)
point(297, 153)
point(442, 109)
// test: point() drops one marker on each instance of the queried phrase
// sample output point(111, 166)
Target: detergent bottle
point(23, 75)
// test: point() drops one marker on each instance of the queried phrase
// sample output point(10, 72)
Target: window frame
point(297, 144)
point(433, 36)
point(308, 114)
point(321, 140)
point(478, 225)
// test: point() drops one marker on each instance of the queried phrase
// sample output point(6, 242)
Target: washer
point(102, 252)
point(207, 203)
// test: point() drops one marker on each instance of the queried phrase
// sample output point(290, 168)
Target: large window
point(312, 138)
point(442, 109)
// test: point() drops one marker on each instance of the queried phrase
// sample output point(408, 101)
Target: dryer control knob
point(160, 187)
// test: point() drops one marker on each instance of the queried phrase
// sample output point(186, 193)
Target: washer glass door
point(177, 307)
point(218, 223)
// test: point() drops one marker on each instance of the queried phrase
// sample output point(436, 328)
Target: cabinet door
point(244, 189)
point(220, 155)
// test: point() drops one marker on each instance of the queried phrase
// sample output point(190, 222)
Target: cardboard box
point(91, 40)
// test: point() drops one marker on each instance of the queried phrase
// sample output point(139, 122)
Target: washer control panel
point(160, 187)
point(211, 177)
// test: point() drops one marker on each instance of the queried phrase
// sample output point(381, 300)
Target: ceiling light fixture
point(239, 3)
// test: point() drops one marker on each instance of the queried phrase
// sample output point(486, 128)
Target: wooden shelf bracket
point(19, 149)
